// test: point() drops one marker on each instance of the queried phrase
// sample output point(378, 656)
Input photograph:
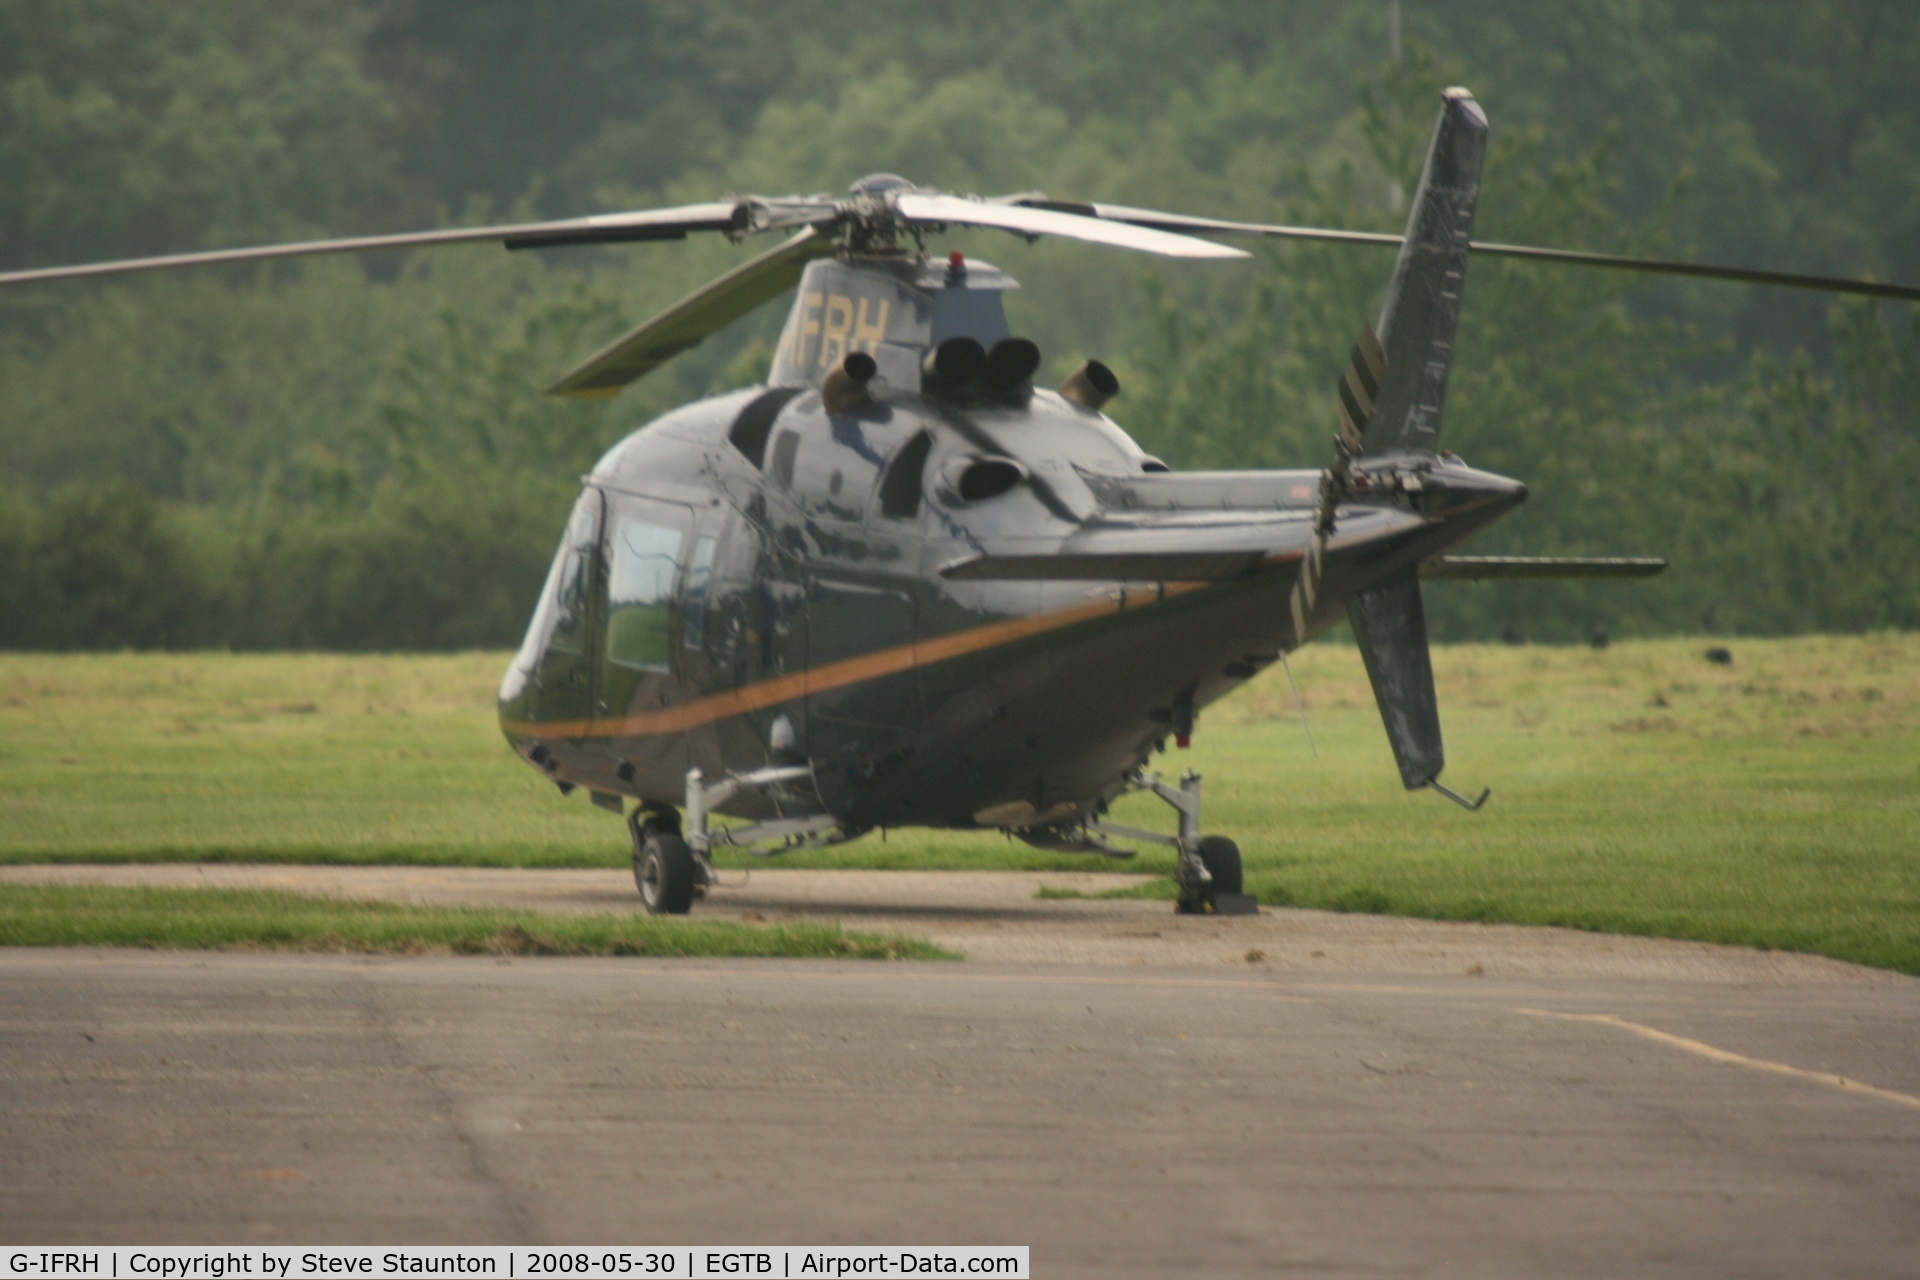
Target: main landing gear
point(671, 869)
point(1207, 869)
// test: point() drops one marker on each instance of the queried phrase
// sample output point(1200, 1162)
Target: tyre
point(1221, 857)
point(662, 870)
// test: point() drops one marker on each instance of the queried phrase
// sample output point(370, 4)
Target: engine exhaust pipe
point(845, 386)
point(953, 366)
point(1010, 366)
point(1092, 385)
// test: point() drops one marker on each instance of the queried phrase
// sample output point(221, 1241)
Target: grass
point(297, 758)
point(248, 919)
point(1773, 802)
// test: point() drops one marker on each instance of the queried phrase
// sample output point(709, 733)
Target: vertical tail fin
point(1390, 403)
point(1422, 309)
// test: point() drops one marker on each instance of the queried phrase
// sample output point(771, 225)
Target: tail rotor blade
point(1359, 389)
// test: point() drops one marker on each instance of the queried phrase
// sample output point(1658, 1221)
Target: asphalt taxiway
point(1748, 1115)
point(1017, 917)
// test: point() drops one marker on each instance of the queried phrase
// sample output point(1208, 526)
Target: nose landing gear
point(671, 869)
point(664, 868)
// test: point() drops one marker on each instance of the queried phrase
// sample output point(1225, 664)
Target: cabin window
point(749, 432)
point(693, 628)
point(900, 489)
point(646, 560)
point(785, 446)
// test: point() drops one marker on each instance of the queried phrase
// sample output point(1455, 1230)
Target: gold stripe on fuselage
point(836, 675)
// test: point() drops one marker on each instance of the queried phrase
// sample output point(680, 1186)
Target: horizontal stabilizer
point(689, 321)
point(1478, 568)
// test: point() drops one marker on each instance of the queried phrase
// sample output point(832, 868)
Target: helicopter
point(901, 585)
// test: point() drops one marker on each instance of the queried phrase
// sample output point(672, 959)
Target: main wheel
point(662, 869)
point(1221, 857)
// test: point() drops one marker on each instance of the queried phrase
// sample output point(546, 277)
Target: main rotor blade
point(1181, 223)
point(1028, 221)
point(1187, 224)
point(688, 322)
point(646, 224)
point(1705, 271)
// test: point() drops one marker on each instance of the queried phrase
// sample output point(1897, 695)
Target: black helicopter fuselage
point(756, 579)
point(899, 585)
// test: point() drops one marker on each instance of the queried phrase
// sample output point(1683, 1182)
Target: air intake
point(977, 479)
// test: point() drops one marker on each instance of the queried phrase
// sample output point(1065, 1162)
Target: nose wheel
point(663, 866)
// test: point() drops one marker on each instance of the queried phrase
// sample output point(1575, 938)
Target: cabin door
point(749, 613)
point(862, 688)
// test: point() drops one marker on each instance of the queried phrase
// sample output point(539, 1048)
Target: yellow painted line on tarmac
point(1730, 1058)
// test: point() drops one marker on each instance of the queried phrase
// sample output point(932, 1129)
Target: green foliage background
point(355, 453)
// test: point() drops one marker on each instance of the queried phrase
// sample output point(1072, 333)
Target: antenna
point(1298, 707)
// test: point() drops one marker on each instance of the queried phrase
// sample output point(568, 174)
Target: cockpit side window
point(570, 602)
point(561, 622)
point(644, 550)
